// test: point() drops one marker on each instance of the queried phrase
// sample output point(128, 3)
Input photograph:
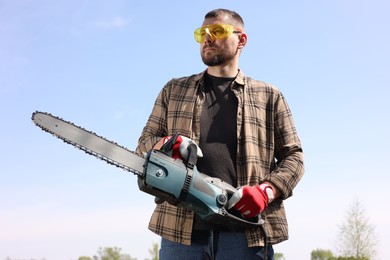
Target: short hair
point(234, 16)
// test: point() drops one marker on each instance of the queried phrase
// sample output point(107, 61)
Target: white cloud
point(116, 22)
point(119, 114)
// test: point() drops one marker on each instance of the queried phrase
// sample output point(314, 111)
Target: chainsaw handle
point(230, 190)
point(168, 146)
point(231, 216)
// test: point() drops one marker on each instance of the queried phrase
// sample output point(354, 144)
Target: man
point(246, 133)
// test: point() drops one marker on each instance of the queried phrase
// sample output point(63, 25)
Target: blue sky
point(100, 64)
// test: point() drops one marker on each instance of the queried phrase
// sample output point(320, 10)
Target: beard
point(217, 57)
point(213, 60)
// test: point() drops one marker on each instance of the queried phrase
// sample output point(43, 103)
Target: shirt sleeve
point(155, 127)
point(288, 151)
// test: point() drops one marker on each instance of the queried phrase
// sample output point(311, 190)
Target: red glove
point(250, 201)
point(179, 149)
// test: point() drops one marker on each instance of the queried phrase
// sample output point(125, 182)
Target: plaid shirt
point(268, 148)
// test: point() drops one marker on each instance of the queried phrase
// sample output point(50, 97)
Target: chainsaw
point(171, 180)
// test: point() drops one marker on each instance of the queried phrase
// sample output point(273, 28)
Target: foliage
point(348, 258)
point(279, 256)
point(108, 253)
point(154, 251)
point(84, 258)
point(114, 253)
point(356, 235)
point(321, 254)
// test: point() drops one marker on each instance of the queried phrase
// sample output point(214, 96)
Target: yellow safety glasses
point(215, 31)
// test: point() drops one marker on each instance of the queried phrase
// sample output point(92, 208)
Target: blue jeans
point(213, 245)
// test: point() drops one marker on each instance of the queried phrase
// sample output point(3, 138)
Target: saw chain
point(100, 156)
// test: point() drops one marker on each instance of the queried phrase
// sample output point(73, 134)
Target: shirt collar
point(240, 79)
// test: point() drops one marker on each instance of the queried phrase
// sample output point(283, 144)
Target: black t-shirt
point(218, 130)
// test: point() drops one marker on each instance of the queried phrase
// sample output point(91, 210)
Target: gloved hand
point(250, 201)
point(180, 147)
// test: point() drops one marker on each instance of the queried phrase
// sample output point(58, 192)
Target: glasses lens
point(216, 31)
point(200, 34)
point(220, 31)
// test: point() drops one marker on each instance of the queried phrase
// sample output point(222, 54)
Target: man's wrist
point(269, 190)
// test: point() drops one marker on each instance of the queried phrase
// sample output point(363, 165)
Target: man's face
point(215, 52)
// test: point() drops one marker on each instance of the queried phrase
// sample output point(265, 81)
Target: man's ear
point(243, 38)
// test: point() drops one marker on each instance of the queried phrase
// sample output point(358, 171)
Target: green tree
point(321, 254)
point(348, 258)
point(84, 258)
point(154, 251)
point(356, 235)
point(279, 256)
point(108, 253)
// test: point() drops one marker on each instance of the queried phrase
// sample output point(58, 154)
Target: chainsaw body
point(170, 180)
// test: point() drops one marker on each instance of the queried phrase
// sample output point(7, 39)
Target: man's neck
point(223, 71)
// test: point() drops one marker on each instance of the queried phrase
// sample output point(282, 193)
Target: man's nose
point(209, 37)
